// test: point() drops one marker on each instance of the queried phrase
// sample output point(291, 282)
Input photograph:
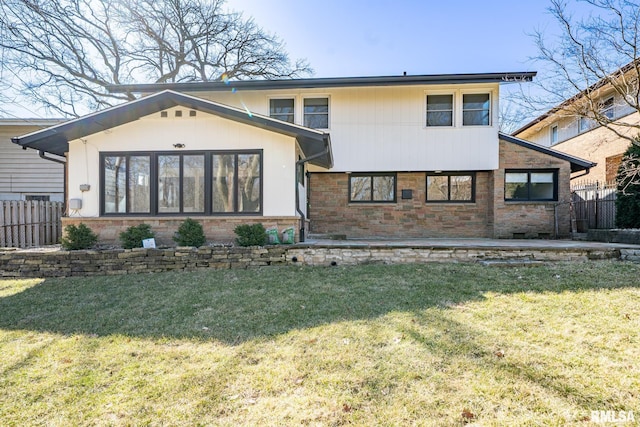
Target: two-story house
point(399, 156)
point(572, 127)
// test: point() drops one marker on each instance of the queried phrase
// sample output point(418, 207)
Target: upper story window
point(531, 185)
point(476, 109)
point(606, 108)
point(316, 113)
point(282, 109)
point(379, 187)
point(439, 110)
point(554, 134)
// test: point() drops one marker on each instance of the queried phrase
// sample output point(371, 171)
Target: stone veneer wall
point(216, 229)
point(131, 261)
point(331, 213)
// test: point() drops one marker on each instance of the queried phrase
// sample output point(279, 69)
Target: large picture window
point(531, 185)
point(215, 182)
point(372, 188)
point(451, 187)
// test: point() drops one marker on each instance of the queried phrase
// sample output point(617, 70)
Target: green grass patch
point(436, 344)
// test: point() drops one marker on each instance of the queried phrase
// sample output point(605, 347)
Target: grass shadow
point(234, 306)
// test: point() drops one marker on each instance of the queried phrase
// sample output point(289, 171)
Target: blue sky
point(344, 38)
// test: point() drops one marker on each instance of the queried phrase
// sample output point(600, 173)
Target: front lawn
point(436, 344)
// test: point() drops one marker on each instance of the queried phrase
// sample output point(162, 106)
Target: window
point(606, 108)
point(37, 198)
point(180, 183)
point(282, 109)
point(450, 187)
point(372, 187)
point(554, 134)
point(476, 109)
point(126, 184)
point(534, 185)
point(186, 183)
point(316, 113)
point(237, 183)
point(439, 110)
point(585, 123)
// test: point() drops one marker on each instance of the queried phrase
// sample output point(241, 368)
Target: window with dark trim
point(212, 182)
point(531, 185)
point(282, 109)
point(368, 188)
point(451, 187)
point(607, 108)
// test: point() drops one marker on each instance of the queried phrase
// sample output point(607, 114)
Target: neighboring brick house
point(401, 156)
point(23, 174)
point(567, 129)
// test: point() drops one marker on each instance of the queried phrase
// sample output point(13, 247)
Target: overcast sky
point(345, 38)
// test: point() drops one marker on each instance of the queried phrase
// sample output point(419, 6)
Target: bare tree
point(589, 56)
point(64, 53)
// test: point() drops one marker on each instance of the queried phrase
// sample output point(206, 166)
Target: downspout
point(64, 183)
point(299, 163)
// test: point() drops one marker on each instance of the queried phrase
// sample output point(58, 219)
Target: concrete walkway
point(468, 243)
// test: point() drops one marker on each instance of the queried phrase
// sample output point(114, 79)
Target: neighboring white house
point(402, 156)
point(23, 174)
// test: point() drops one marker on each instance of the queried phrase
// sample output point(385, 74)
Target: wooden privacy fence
point(25, 224)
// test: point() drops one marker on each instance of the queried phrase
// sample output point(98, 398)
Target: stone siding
point(216, 229)
point(130, 261)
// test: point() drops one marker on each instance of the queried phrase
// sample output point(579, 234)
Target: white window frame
point(454, 100)
point(553, 140)
point(295, 106)
point(314, 96)
point(491, 107)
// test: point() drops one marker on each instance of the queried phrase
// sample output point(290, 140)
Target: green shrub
point(80, 237)
point(251, 235)
point(628, 186)
point(133, 236)
point(190, 233)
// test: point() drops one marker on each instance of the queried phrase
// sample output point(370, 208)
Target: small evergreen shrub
point(251, 235)
point(80, 237)
point(628, 186)
point(190, 233)
point(133, 236)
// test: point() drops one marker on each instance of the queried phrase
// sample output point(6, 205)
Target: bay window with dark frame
point(189, 183)
point(538, 185)
point(372, 187)
point(451, 187)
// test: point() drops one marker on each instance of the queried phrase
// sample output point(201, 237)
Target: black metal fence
point(593, 205)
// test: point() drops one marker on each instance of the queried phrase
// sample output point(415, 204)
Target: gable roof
point(577, 164)
point(597, 85)
point(55, 139)
point(330, 82)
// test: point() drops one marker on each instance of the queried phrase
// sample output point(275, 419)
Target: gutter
point(43, 156)
point(299, 163)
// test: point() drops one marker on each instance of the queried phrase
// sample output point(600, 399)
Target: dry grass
point(372, 345)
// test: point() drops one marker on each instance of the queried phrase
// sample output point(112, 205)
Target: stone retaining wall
point(121, 261)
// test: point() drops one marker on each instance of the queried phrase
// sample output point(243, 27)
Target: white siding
point(23, 172)
point(203, 132)
point(383, 128)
